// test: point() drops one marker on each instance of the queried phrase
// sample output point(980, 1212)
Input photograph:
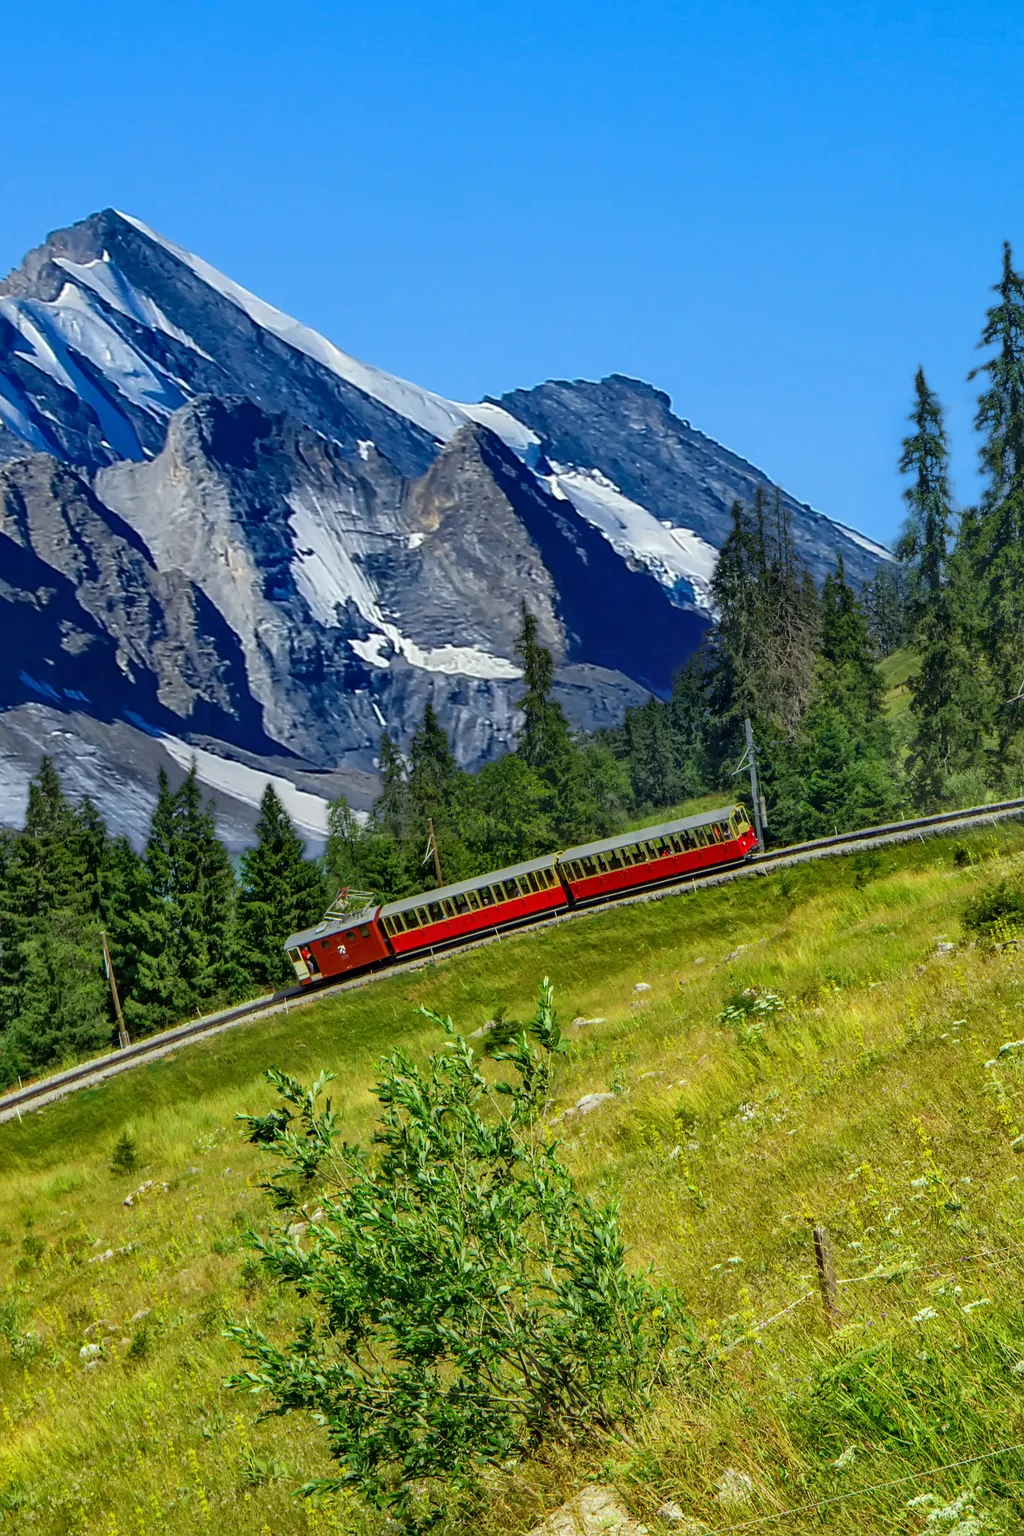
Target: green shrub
point(996, 911)
point(468, 1303)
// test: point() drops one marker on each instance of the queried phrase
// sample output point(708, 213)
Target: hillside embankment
point(822, 1047)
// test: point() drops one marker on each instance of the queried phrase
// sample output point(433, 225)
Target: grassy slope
point(867, 1106)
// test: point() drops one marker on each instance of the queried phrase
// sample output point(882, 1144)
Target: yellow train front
point(353, 938)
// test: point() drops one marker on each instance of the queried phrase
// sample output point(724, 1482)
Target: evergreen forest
point(188, 932)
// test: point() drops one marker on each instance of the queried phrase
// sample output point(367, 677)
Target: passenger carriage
point(657, 853)
point(357, 934)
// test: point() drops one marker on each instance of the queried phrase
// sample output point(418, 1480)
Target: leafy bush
point(468, 1303)
point(748, 1013)
point(996, 911)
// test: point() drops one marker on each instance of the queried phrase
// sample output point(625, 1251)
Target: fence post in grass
point(825, 1260)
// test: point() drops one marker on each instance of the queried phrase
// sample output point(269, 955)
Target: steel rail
point(88, 1074)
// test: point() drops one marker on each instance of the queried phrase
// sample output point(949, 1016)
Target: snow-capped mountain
point(219, 530)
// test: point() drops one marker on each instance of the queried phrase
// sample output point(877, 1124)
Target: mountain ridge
point(321, 547)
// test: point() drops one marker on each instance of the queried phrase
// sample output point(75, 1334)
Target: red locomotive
point(354, 939)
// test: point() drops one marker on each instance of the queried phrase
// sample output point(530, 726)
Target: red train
point(357, 940)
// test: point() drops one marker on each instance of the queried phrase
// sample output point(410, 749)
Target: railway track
point(89, 1074)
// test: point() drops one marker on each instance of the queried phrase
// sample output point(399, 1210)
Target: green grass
point(895, 671)
point(866, 1105)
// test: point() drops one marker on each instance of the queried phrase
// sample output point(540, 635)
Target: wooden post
point(434, 850)
point(122, 1029)
point(825, 1261)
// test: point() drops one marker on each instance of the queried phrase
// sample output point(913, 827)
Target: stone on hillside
point(595, 1511)
point(588, 1103)
point(672, 1515)
point(580, 1022)
point(642, 986)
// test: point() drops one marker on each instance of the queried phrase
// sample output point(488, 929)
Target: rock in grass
point(595, 1511)
point(580, 1023)
point(588, 1103)
point(1010, 1045)
point(671, 1514)
point(642, 986)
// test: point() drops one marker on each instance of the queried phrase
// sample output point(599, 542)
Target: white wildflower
point(735, 1489)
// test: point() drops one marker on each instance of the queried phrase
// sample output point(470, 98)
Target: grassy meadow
point(867, 1094)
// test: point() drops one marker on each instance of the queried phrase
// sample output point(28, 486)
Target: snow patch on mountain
point(50, 335)
point(324, 571)
point(521, 439)
point(13, 415)
point(673, 554)
point(247, 785)
point(106, 279)
point(451, 660)
point(865, 543)
point(329, 578)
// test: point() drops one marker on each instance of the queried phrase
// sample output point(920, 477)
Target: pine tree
point(850, 675)
point(689, 719)
point(886, 602)
point(186, 960)
point(946, 701)
point(434, 777)
point(392, 809)
point(839, 785)
point(281, 892)
point(53, 1002)
point(1000, 417)
point(204, 899)
point(924, 543)
point(651, 754)
point(343, 850)
point(509, 809)
point(545, 740)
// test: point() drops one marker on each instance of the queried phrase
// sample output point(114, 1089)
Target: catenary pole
point(122, 1028)
point(434, 850)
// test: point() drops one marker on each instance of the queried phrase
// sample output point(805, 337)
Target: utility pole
point(108, 965)
point(756, 798)
point(433, 848)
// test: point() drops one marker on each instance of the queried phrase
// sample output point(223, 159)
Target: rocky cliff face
point(218, 530)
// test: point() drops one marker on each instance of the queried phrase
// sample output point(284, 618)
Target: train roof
point(491, 878)
point(331, 925)
point(645, 834)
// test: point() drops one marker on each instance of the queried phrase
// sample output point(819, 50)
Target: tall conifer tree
point(281, 892)
point(946, 700)
point(1000, 418)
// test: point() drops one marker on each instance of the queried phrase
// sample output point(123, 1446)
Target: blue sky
point(773, 212)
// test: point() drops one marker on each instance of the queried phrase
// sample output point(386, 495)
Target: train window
point(486, 896)
point(435, 911)
point(511, 890)
point(364, 932)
